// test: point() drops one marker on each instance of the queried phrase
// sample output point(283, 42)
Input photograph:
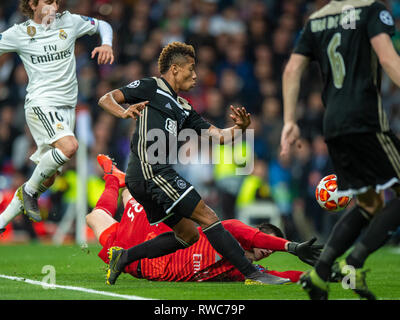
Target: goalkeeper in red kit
point(199, 262)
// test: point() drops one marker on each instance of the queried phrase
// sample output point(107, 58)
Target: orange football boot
point(110, 168)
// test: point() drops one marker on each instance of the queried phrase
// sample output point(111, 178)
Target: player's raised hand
point(240, 117)
point(133, 111)
point(290, 135)
point(105, 54)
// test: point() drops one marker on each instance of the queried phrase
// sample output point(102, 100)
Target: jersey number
point(336, 61)
point(55, 116)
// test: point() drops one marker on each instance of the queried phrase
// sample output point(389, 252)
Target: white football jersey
point(48, 57)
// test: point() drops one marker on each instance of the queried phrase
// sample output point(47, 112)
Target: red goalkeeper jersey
point(199, 262)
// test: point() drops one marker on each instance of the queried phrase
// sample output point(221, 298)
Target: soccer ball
point(328, 197)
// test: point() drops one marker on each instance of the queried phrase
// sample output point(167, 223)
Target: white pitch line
point(395, 250)
point(52, 286)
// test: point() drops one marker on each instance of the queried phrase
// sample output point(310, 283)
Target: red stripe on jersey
point(196, 263)
point(133, 229)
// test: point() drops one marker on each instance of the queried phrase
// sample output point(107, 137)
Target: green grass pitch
point(81, 268)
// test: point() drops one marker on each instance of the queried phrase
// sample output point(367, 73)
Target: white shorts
point(48, 125)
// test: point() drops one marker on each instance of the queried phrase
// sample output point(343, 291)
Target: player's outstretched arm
point(387, 55)
point(104, 52)
point(111, 102)
point(242, 120)
point(262, 244)
point(291, 87)
point(307, 251)
point(8, 41)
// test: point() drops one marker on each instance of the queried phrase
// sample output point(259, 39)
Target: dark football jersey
point(338, 37)
point(157, 130)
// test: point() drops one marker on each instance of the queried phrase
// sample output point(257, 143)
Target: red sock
point(109, 198)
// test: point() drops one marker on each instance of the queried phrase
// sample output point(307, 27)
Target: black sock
point(161, 245)
point(226, 245)
point(343, 235)
point(385, 221)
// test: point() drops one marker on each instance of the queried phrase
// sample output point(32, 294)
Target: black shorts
point(365, 160)
point(167, 197)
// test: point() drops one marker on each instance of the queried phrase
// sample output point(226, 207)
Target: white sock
point(48, 165)
point(13, 209)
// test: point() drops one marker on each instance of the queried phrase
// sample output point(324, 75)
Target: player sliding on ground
point(199, 262)
point(45, 43)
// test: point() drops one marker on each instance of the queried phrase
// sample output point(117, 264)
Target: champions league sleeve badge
point(88, 19)
point(386, 18)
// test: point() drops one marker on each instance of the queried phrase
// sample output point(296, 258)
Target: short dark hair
point(172, 53)
point(269, 228)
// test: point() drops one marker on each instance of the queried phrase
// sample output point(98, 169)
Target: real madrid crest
point(31, 31)
point(63, 35)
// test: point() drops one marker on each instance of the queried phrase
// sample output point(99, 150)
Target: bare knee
point(70, 150)
point(371, 201)
point(89, 219)
point(192, 238)
point(67, 145)
point(188, 237)
point(186, 231)
point(94, 218)
point(204, 215)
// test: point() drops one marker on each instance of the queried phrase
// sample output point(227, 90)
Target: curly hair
point(174, 53)
point(26, 9)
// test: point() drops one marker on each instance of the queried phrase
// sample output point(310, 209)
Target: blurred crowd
point(241, 49)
